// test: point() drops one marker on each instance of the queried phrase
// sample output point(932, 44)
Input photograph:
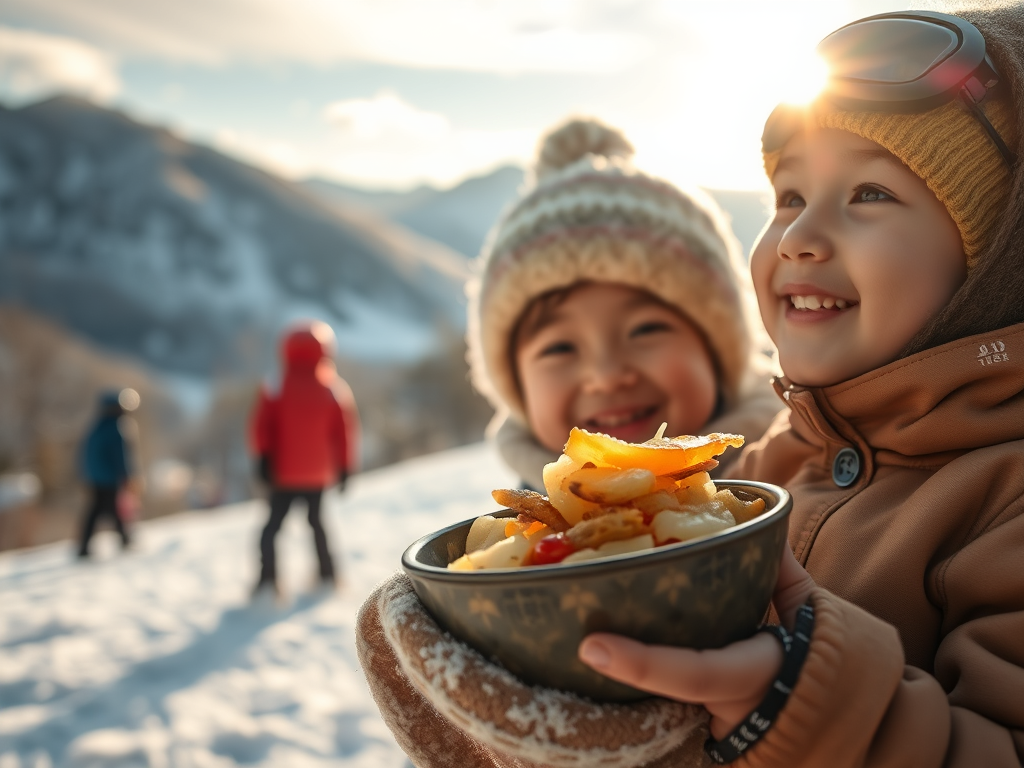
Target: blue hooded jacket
point(104, 459)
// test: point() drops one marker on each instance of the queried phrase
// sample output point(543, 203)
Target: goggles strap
point(968, 100)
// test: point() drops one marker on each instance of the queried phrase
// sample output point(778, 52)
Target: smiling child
point(891, 280)
point(611, 300)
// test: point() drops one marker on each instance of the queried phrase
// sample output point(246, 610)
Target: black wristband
point(757, 723)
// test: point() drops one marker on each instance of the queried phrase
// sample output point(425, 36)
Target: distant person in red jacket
point(306, 439)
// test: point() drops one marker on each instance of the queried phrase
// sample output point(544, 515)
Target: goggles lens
point(887, 50)
point(902, 62)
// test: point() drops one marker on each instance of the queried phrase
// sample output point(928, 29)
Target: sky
point(388, 94)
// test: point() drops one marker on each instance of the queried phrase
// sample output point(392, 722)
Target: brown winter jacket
point(918, 651)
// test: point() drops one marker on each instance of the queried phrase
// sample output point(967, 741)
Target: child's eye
point(557, 348)
point(870, 194)
point(654, 326)
point(789, 200)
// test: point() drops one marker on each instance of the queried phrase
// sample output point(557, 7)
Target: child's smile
point(812, 304)
point(612, 359)
point(619, 418)
point(858, 257)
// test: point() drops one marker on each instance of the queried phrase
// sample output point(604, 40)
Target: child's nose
point(610, 373)
point(806, 239)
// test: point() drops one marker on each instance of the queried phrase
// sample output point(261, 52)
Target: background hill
point(192, 261)
point(460, 217)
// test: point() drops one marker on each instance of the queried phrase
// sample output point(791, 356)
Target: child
point(891, 280)
point(106, 465)
point(306, 439)
point(610, 300)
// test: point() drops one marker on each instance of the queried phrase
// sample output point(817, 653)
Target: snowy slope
point(156, 657)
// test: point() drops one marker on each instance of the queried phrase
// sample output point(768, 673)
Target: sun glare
point(804, 81)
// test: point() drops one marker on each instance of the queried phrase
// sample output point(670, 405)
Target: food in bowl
point(702, 593)
point(607, 497)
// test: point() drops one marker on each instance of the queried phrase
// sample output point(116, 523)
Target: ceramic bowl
point(703, 593)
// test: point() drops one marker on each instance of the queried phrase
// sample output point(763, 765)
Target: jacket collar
point(963, 395)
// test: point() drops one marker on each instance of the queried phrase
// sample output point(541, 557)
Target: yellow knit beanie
point(946, 147)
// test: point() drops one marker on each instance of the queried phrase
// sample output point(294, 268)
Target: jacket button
point(846, 467)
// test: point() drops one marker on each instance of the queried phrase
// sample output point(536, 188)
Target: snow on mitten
point(442, 698)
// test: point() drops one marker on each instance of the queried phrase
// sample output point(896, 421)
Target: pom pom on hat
point(575, 140)
point(591, 216)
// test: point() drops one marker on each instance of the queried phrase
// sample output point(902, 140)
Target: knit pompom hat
point(591, 216)
point(947, 147)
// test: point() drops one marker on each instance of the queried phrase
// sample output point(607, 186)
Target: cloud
point(379, 142)
point(385, 117)
point(277, 156)
point(33, 65)
point(443, 160)
point(376, 140)
point(505, 36)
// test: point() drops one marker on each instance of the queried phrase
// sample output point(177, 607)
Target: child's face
point(613, 359)
point(859, 256)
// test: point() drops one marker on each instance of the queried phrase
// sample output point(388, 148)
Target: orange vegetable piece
point(662, 456)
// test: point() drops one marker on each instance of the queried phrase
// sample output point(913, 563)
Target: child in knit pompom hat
point(599, 259)
point(891, 278)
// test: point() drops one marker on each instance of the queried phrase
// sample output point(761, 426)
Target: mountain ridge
point(172, 251)
point(461, 216)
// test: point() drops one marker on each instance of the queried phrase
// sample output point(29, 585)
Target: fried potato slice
point(617, 524)
point(742, 509)
point(696, 490)
point(609, 486)
point(656, 502)
point(662, 456)
point(683, 526)
point(533, 504)
point(572, 508)
point(485, 531)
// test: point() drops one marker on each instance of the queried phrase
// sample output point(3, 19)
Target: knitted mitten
point(442, 698)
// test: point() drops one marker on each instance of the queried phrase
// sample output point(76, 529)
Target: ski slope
point(157, 658)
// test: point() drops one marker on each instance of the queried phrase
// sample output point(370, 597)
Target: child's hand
point(730, 682)
point(468, 706)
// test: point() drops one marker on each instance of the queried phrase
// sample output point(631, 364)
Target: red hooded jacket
point(310, 429)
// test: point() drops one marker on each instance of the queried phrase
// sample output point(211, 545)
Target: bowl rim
point(412, 566)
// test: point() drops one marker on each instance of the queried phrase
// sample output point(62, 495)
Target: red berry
point(551, 549)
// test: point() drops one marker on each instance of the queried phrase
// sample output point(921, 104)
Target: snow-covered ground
point(157, 658)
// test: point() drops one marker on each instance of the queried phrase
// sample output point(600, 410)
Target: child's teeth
point(615, 421)
point(818, 302)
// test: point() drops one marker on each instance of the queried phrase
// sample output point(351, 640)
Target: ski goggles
point(905, 62)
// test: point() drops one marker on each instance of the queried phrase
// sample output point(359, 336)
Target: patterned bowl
point(703, 593)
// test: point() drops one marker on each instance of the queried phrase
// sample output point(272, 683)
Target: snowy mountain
point(461, 217)
point(156, 658)
point(193, 261)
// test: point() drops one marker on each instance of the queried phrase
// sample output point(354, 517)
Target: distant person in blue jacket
point(105, 464)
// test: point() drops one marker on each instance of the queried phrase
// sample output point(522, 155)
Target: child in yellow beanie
point(891, 279)
point(611, 300)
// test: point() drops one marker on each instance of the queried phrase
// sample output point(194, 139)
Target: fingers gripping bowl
point(702, 593)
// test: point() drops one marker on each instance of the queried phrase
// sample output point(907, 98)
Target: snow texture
point(157, 657)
